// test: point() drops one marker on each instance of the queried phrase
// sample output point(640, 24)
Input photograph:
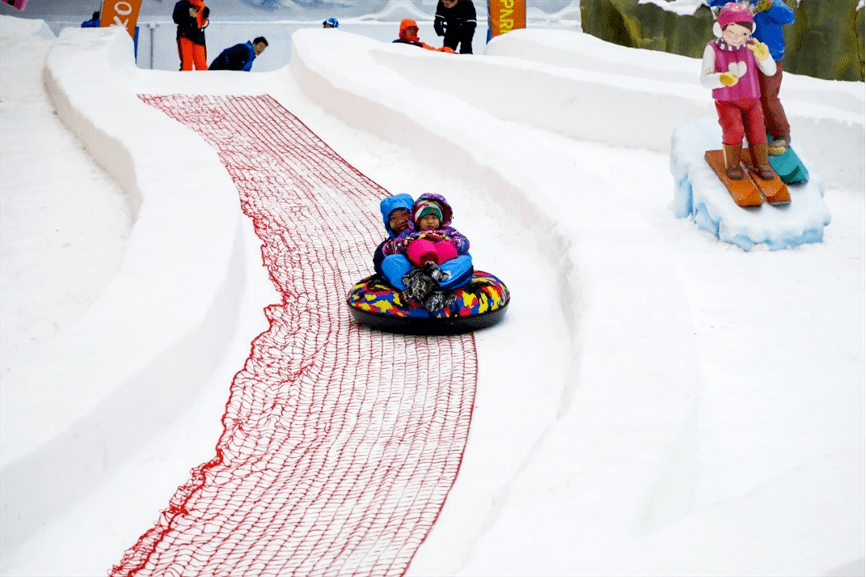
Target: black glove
point(439, 300)
point(439, 27)
point(432, 270)
point(418, 285)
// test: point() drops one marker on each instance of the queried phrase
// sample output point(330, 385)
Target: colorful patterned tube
point(480, 303)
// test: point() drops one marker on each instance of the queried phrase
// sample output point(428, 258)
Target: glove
point(728, 79)
point(759, 49)
point(432, 270)
point(418, 285)
point(763, 5)
point(439, 27)
point(439, 300)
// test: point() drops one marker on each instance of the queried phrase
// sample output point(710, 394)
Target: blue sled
point(789, 167)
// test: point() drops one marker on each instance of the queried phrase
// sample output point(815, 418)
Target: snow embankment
point(150, 341)
point(657, 92)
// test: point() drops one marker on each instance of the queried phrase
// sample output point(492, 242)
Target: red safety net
point(340, 443)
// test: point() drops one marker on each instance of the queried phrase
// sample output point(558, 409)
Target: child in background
point(730, 67)
point(408, 34)
point(430, 257)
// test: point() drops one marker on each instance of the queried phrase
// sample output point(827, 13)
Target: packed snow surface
point(656, 401)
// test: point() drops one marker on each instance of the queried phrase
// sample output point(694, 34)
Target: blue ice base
point(699, 193)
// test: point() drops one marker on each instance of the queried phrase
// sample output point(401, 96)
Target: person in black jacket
point(455, 20)
point(191, 17)
point(240, 56)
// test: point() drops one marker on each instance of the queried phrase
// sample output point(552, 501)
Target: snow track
point(340, 443)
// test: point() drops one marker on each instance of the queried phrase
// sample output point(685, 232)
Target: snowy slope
point(656, 401)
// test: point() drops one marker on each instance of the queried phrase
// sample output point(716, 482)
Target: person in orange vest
point(409, 35)
point(191, 17)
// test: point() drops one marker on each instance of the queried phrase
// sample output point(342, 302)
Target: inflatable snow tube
point(480, 303)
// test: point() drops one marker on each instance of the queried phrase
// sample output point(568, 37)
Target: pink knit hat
point(734, 12)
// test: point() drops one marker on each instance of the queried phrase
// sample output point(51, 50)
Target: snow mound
point(698, 192)
point(11, 27)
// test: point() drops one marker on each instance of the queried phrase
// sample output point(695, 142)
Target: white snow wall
point(126, 381)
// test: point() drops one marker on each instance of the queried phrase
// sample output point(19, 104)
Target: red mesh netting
point(340, 444)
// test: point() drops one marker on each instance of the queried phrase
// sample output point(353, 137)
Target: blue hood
point(392, 203)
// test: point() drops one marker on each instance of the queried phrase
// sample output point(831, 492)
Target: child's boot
point(445, 251)
point(779, 145)
point(422, 251)
point(761, 161)
point(439, 300)
point(732, 161)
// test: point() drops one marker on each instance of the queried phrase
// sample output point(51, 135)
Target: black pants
point(461, 35)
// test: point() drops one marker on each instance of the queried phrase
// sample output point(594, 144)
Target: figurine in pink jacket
point(730, 67)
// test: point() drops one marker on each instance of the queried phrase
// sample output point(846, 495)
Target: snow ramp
point(340, 444)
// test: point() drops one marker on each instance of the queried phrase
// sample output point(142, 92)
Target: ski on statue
point(774, 190)
point(788, 166)
point(744, 192)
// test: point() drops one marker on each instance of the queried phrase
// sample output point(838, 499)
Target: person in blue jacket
point(240, 56)
point(396, 212)
point(770, 18)
point(93, 22)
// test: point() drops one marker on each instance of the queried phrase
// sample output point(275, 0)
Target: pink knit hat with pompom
point(733, 12)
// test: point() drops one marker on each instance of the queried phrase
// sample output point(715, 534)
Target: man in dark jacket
point(455, 20)
point(240, 56)
point(191, 17)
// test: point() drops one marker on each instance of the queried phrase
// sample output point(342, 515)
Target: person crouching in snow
point(730, 67)
point(409, 35)
point(430, 258)
point(240, 56)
